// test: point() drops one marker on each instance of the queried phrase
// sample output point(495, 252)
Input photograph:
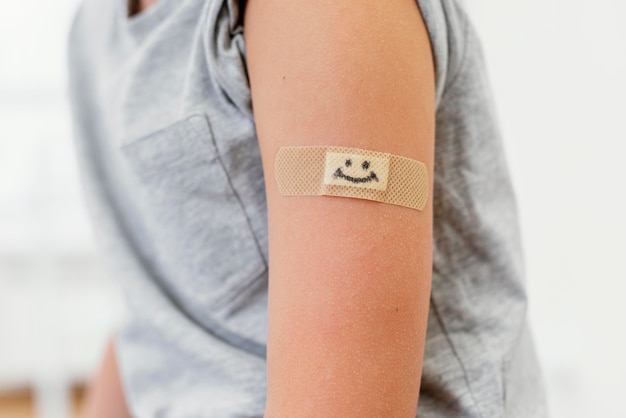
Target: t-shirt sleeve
point(445, 21)
point(225, 51)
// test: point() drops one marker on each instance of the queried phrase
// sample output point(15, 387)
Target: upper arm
point(349, 279)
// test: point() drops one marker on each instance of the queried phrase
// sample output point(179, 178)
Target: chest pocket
point(204, 246)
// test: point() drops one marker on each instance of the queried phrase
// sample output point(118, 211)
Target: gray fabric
point(172, 178)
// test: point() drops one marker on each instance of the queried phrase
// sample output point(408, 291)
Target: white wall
point(57, 304)
point(556, 68)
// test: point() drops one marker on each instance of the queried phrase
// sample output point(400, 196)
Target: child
point(244, 301)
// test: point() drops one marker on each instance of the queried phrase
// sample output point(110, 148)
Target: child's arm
point(349, 279)
point(104, 398)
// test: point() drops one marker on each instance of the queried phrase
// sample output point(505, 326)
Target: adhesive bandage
point(351, 172)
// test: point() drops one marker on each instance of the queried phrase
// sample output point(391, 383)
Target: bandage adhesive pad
point(351, 172)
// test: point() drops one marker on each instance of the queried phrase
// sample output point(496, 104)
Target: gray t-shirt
point(172, 176)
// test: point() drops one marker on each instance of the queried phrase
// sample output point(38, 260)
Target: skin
point(138, 6)
point(349, 279)
point(104, 397)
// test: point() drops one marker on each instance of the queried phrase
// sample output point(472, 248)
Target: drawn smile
point(372, 176)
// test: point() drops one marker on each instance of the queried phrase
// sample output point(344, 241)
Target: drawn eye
point(365, 165)
point(348, 163)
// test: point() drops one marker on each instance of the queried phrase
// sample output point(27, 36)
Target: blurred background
point(556, 69)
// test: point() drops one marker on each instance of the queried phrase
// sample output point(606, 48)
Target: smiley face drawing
point(365, 165)
point(356, 170)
